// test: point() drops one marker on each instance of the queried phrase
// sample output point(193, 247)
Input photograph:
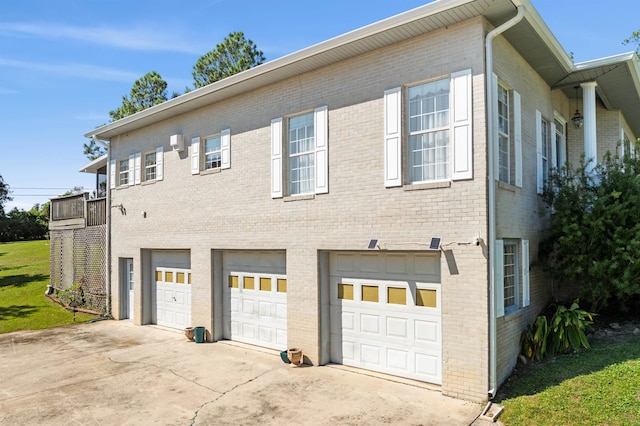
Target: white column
point(590, 131)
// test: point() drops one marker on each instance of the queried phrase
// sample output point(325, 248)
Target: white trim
point(461, 137)
point(195, 156)
point(539, 173)
point(137, 177)
point(159, 163)
point(132, 168)
point(499, 276)
point(112, 173)
point(276, 158)
point(321, 129)
point(526, 298)
point(225, 145)
point(517, 136)
point(393, 137)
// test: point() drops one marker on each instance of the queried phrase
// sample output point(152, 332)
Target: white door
point(173, 297)
point(130, 286)
point(386, 313)
point(255, 299)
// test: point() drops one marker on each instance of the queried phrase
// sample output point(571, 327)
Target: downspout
point(107, 146)
point(492, 151)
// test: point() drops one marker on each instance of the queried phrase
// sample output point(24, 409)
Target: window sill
point(291, 198)
point(507, 186)
point(119, 187)
point(511, 310)
point(427, 185)
point(148, 182)
point(211, 171)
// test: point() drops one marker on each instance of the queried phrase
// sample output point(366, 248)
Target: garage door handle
point(174, 299)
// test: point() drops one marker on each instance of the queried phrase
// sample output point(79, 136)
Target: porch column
point(589, 108)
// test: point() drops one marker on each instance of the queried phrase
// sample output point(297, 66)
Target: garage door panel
point(370, 324)
point(397, 327)
point(386, 313)
point(173, 300)
point(257, 298)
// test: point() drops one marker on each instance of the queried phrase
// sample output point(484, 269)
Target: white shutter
point(393, 137)
point(195, 156)
point(517, 136)
point(159, 163)
point(132, 161)
point(540, 183)
point(461, 123)
point(499, 278)
point(554, 150)
point(321, 128)
point(526, 301)
point(494, 144)
point(112, 174)
point(276, 158)
point(225, 144)
point(137, 158)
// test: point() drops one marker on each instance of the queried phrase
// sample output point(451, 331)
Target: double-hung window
point(212, 152)
point(301, 150)
point(504, 141)
point(560, 142)
point(429, 131)
point(544, 155)
point(150, 166)
point(512, 275)
point(123, 172)
point(299, 154)
point(438, 119)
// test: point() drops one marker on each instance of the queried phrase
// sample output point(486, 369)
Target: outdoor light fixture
point(373, 244)
point(578, 119)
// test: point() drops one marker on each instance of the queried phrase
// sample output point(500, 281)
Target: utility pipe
point(492, 151)
point(107, 145)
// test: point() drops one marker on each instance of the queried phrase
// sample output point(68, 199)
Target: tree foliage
point(4, 195)
point(593, 238)
point(20, 225)
point(634, 39)
point(235, 54)
point(147, 91)
point(92, 150)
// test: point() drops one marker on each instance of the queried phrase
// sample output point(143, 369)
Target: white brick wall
point(233, 210)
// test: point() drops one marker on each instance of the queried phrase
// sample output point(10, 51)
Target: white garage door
point(255, 298)
point(172, 283)
point(386, 313)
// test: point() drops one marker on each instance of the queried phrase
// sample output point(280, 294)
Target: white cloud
point(73, 69)
point(134, 38)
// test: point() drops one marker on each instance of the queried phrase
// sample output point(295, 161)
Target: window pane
point(369, 293)
point(233, 281)
point(158, 275)
point(397, 296)
point(212, 152)
point(168, 277)
point(345, 291)
point(180, 277)
point(248, 283)
point(265, 284)
point(282, 285)
point(510, 275)
point(426, 297)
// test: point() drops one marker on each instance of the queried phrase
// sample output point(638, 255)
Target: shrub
point(565, 332)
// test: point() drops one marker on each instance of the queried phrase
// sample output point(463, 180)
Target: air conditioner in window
point(177, 142)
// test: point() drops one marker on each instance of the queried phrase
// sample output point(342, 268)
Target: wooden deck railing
point(80, 207)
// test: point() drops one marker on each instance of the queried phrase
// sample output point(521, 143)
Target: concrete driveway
point(115, 373)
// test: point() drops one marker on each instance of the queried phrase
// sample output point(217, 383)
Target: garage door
point(255, 298)
point(386, 313)
point(172, 283)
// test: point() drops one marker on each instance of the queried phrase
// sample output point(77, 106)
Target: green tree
point(92, 150)
point(634, 39)
point(235, 54)
point(593, 238)
point(147, 91)
point(4, 195)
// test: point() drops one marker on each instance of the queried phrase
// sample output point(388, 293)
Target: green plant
point(533, 340)
point(567, 330)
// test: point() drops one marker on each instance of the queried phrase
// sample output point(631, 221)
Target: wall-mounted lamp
point(121, 207)
point(578, 119)
point(435, 243)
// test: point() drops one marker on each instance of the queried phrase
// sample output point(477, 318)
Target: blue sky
point(65, 64)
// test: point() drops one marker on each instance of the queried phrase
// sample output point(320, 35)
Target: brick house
point(371, 199)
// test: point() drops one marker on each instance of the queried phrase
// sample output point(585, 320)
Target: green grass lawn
point(24, 276)
point(600, 386)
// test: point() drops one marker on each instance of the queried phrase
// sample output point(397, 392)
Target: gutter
point(492, 151)
point(107, 146)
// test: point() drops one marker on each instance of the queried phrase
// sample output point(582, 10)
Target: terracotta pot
point(189, 333)
point(295, 356)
